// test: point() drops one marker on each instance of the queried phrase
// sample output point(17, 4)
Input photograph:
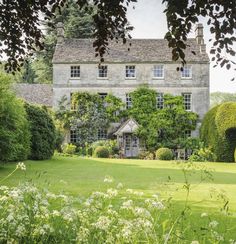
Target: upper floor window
point(158, 71)
point(160, 101)
point(130, 71)
point(102, 134)
point(102, 71)
point(186, 72)
point(74, 71)
point(128, 101)
point(187, 97)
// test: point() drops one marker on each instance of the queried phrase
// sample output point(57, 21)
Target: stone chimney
point(60, 32)
point(199, 38)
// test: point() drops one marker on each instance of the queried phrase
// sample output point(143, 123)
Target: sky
point(149, 21)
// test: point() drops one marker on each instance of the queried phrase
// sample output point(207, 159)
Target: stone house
point(149, 61)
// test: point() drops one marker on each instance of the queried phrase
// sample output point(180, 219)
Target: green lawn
point(81, 176)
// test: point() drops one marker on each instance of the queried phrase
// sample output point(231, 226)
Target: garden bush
point(203, 155)
point(218, 131)
point(101, 152)
point(43, 134)
point(164, 154)
point(14, 127)
point(146, 155)
point(111, 145)
point(69, 149)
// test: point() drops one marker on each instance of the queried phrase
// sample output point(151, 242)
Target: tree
point(14, 127)
point(217, 98)
point(20, 32)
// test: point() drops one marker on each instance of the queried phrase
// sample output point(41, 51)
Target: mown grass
point(81, 176)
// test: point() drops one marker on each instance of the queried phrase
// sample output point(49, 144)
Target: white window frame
point(130, 72)
point(102, 72)
point(160, 100)
point(158, 71)
point(102, 134)
point(186, 101)
point(128, 101)
point(187, 72)
point(75, 71)
point(73, 136)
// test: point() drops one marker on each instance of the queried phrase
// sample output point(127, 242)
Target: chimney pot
point(60, 32)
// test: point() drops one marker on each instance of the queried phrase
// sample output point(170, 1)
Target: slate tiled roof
point(141, 50)
point(41, 94)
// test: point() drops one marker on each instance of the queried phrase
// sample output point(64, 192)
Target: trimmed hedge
point(164, 154)
point(101, 152)
point(43, 133)
point(218, 131)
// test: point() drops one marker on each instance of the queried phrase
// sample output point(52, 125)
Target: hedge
point(43, 132)
point(164, 154)
point(218, 131)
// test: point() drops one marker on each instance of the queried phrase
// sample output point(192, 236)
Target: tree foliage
point(217, 98)
point(14, 127)
point(160, 127)
point(42, 132)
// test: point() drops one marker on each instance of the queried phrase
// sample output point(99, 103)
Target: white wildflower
point(195, 242)
point(108, 179)
point(82, 235)
point(103, 223)
point(55, 213)
point(217, 236)
point(138, 193)
point(21, 166)
point(231, 241)
point(128, 204)
point(213, 224)
point(129, 191)
point(204, 215)
point(112, 192)
point(119, 186)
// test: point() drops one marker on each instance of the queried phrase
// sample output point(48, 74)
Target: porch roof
point(129, 126)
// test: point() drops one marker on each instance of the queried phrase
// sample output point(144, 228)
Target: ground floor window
point(187, 133)
point(187, 101)
point(102, 134)
point(73, 136)
point(128, 101)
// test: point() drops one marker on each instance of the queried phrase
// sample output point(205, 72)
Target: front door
point(131, 145)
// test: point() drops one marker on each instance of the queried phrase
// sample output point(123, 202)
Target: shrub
point(14, 127)
point(203, 155)
point(101, 152)
point(43, 132)
point(218, 131)
point(69, 149)
point(111, 145)
point(164, 154)
point(146, 155)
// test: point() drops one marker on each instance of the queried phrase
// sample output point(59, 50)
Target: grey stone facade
point(144, 54)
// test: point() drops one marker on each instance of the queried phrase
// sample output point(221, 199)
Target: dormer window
point(74, 71)
point(130, 71)
point(102, 71)
point(186, 72)
point(158, 71)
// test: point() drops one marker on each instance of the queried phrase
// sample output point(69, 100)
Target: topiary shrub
point(203, 155)
point(101, 152)
point(164, 154)
point(69, 149)
point(14, 127)
point(43, 134)
point(218, 131)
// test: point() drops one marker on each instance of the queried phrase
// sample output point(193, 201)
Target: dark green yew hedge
point(43, 133)
point(218, 131)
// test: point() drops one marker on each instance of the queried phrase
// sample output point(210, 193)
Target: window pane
point(75, 71)
point(73, 136)
point(187, 101)
point(158, 71)
point(130, 71)
point(160, 101)
point(102, 134)
point(102, 71)
point(187, 72)
point(128, 101)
